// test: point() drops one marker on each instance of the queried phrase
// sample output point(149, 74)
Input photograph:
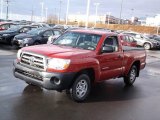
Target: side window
point(6, 26)
point(56, 32)
point(32, 28)
point(112, 41)
point(131, 39)
point(25, 29)
point(12, 25)
point(127, 38)
point(48, 34)
point(138, 36)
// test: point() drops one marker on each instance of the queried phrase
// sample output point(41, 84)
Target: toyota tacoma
point(77, 60)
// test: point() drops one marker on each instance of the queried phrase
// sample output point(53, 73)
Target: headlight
point(26, 40)
point(58, 64)
point(6, 34)
point(19, 54)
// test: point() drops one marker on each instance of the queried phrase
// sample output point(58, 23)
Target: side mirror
point(107, 49)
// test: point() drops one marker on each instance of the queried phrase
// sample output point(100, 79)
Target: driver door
point(111, 63)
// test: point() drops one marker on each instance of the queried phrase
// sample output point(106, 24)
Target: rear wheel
point(81, 88)
point(36, 43)
point(131, 77)
point(147, 46)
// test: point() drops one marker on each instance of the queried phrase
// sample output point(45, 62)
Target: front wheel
point(147, 46)
point(81, 88)
point(131, 77)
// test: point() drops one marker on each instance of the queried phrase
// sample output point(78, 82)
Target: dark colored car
point(128, 40)
point(8, 35)
point(158, 41)
point(34, 37)
point(6, 25)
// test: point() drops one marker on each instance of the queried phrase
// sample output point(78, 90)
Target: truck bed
point(127, 48)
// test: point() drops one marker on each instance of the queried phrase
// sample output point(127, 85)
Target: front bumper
point(43, 79)
point(20, 43)
point(6, 39)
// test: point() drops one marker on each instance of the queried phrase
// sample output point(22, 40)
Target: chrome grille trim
point(33, 60)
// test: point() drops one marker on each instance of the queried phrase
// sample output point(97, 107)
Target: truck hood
point(58, 51)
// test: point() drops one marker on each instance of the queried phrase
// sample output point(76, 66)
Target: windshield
point(35, 32)
point(14, 28)
point(80, 40)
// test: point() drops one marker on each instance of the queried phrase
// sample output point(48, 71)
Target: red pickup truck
point(77, 60)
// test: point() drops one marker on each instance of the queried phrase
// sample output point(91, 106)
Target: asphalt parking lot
point(110, 100)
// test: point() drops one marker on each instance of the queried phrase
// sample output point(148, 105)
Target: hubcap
point(81, 88)
point(133, 75)
point(147, 46)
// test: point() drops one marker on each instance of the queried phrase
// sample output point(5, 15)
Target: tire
point(36, 43)
point(81, 88)
point(11, 42)
point(147, 46)
point(131, 77)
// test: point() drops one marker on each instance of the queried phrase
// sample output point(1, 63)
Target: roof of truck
point(91, 31)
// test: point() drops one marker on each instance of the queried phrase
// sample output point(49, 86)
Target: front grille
point(33, 60)
point(31, 75)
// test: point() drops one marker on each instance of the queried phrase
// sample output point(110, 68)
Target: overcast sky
point(142, 8)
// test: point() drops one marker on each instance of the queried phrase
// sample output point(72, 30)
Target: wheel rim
point(132, 75)
point(81, 88)
point(147, 46)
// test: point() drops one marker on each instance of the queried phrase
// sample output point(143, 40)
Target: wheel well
point(137, 64)
point(147, 43)
point(89, 71)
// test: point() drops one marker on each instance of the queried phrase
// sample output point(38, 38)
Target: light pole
point(46, 14)
point(121, 12)
point(109, 14)
point(7, 2)
point(32, 13)
point(96, 4)
point(42, 9)
point(59, 17)
point(132, 10)
point(67, 11)
point(78, 18)
point(87, 13)
point(1, 9)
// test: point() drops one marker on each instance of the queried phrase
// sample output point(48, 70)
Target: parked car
point(34, 37)
point(127, 40)
point(51, 25)
point(8, 35)
point(158, 41)
point(40, 25)
point(6, 25)
point(77, 60)
point(143, 41)
point(56, 34)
